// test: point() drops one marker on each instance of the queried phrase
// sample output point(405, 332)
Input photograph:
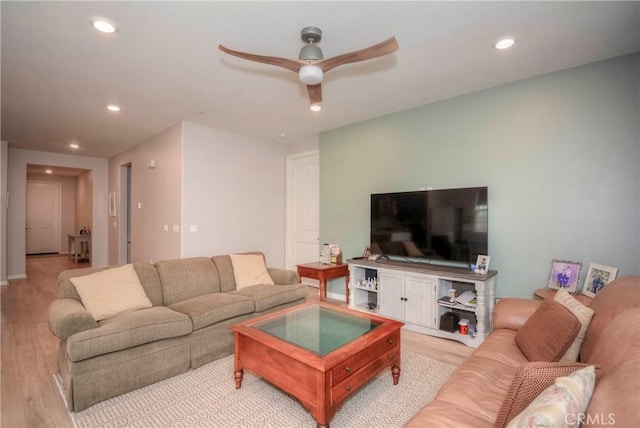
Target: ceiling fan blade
point(289, 64)
point(315, 93)
point(375, 51)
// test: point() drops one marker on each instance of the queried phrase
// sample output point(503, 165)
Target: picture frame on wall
point(564, 274)
point(597, 277)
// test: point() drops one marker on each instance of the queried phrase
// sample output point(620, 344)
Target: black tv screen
point(449, 225)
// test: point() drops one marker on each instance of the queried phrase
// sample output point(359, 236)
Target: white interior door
point(303, 208)
point(43, 218)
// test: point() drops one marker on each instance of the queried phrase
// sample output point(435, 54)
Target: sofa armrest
point(283, 276)
point(67, 317)
point(512, 313)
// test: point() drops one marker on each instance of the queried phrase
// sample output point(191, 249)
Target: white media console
point(417, 294)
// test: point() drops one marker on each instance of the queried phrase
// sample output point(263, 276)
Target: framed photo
point(367, 252)
point(482, 264)
point(597, 277)
point(112, 204)
point(564, 274)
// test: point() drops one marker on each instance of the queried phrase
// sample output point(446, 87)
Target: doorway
point(303, 209)
point(124, 233)
point(43, 218)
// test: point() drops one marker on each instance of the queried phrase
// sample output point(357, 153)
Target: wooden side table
point(322, 273)
point(549, 293)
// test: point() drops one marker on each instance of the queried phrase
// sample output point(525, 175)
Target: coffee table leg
point(238, 375)
point(395, 372)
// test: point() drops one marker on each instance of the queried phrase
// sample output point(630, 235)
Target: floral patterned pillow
point(561, 404)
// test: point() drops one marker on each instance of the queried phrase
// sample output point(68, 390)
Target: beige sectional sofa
point(193, 303)
point(475, 394)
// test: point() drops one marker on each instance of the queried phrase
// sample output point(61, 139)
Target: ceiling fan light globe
point(310, 74)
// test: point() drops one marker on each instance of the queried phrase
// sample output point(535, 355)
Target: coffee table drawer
point(363, 357)
point(351, 384)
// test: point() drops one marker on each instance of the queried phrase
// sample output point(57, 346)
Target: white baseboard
point(315, 284)
point(336, 296)
point(4, 283)
point(18, 276)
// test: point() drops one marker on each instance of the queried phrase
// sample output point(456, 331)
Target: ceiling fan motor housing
point(311, 52)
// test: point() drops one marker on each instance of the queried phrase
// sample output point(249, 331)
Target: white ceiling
point(163, 66)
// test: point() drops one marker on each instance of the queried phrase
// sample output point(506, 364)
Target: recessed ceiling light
point(74, 146)
point(114, 108)
point(316, 107)
point(504, 43)
point(103, 25)
point(282, 135)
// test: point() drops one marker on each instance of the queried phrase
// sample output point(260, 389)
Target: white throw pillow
point(584, 315)
point(111, 292)
point(561, 404)
point(250, 269)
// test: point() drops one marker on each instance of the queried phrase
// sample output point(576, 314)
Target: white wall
point(233, 190)
point(4, 156)
point(17, 186)
point(157, 190)
point(304, 146)
point(84, 198)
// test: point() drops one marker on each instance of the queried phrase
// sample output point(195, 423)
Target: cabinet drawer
point(351, 384)
point(363, 357)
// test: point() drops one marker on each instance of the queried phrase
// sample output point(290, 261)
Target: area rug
point(206, 397)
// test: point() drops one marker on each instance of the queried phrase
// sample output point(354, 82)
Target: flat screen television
point(448, 225)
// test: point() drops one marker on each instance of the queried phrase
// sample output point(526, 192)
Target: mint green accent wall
point(560, 154)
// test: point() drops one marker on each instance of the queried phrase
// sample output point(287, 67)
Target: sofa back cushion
point(146, 273)
point(225, 271)
point(614, 299)
point(619, 342)
point(184, 279)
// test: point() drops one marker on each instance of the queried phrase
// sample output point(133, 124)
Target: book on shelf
point(446, 301)
point(468, 298)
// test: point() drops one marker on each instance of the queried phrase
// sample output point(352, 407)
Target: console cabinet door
point(391, 289)
point(420, 303)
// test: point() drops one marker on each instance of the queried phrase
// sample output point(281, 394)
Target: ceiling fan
point(311, 64)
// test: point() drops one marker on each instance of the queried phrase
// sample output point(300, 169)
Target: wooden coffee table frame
point(320, 383)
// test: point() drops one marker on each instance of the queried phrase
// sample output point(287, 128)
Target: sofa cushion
point(614, 402)
point(561, 404)
point(111, 292)
point(212, 308)
point(617, 297)
point(266, 297)
point(584, 315)
point(183, 279)
point(478, 385)
point(128, 330)
point(250, 269)
point(530, 380)
point(548, 333)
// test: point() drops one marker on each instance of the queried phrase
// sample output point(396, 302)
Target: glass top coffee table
point(318, 353)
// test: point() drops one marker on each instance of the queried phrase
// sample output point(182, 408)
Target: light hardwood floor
point(29, 396)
